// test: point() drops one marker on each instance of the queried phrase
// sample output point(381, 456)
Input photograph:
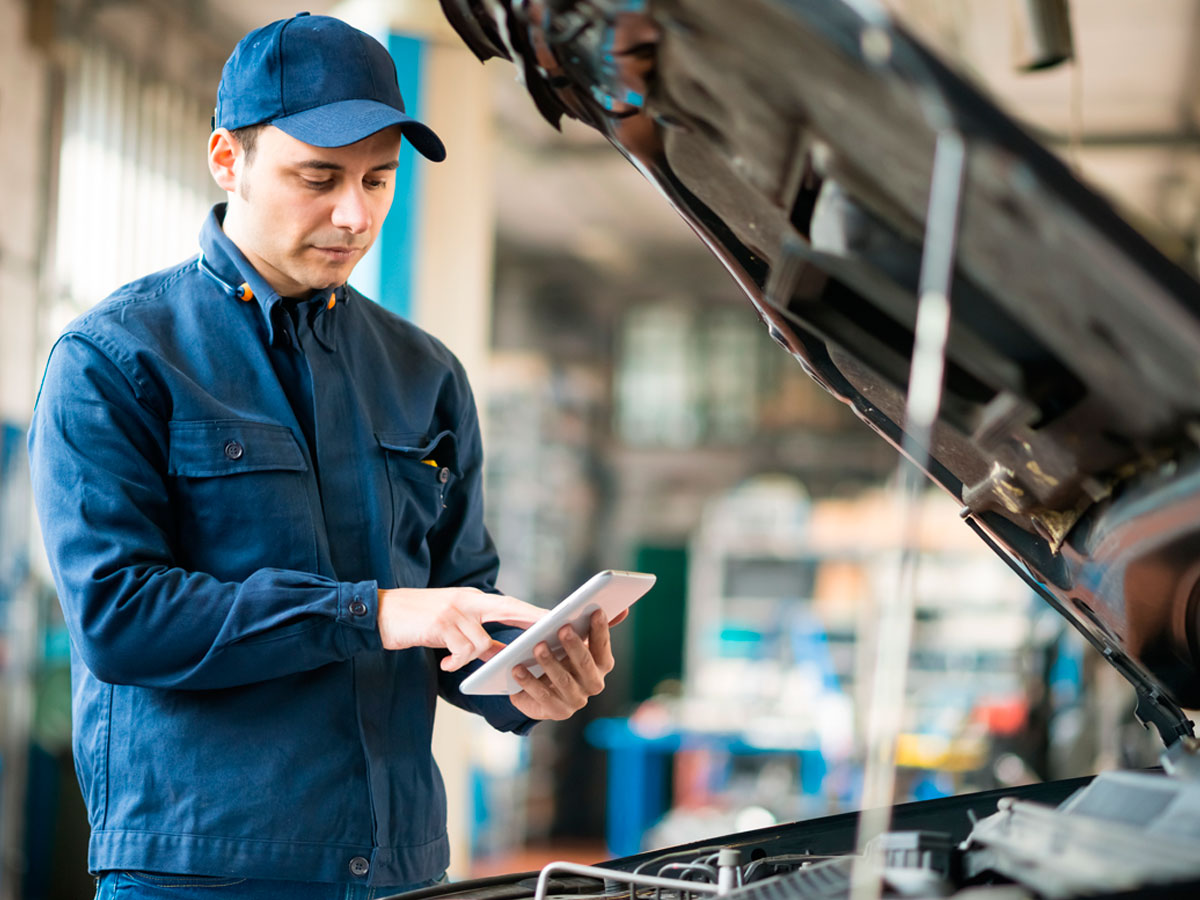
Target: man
point(260, 495)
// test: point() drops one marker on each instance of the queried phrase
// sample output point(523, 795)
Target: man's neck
point(280, 283)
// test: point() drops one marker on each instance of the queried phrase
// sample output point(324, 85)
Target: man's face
point(303, 215)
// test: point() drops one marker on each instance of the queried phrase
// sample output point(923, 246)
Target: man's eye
point(375, 184)
point(317, 185)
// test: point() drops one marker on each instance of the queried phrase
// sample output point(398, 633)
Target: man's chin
point(327, 279)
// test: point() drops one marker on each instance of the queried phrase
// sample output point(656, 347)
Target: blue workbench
point(637, 795)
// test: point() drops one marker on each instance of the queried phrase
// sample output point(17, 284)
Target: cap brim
point(347, 121)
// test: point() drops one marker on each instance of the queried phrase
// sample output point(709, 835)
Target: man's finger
point(586, 675)
point(537, 689)
point(466, 639)
point(537, 698)
point(460, 648)
point(503, 610)
point(600, 643)
point(561, 673)
point(491, 651)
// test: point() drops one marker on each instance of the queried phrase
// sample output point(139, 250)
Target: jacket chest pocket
point(240, 497)
point(422, 472)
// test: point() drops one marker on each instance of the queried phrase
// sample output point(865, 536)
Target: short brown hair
point(248, 138)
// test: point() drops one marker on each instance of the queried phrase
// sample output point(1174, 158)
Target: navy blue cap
point(319, 80)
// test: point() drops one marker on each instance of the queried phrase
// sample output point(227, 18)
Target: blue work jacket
point(224, 479)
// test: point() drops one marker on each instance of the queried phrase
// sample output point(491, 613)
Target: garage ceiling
point(1127, 112)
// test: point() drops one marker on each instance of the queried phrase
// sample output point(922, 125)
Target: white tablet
point(609, 591)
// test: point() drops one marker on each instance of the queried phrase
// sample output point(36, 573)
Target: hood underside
point(798, 140)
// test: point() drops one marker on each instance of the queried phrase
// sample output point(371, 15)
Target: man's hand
point(567, 684)
point(452, 618)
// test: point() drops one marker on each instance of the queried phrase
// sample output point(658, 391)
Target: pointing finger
point(491, 651)
point(505, 610)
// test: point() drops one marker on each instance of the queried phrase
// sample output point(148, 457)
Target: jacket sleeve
point(463, 554)
point(98, 454)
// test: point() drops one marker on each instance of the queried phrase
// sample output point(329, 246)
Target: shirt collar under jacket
point(221, 259)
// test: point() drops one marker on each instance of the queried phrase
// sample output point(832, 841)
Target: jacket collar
point(221, 259)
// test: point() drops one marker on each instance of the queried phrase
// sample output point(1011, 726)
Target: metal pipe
point(696, 887)
point(728, 870)
point(894, 633)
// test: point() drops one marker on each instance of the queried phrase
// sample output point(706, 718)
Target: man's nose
point(352, 212)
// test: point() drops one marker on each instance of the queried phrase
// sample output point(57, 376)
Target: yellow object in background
point(930, 751)
point(430, 462)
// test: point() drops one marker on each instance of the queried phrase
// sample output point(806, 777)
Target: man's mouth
point(338, 254)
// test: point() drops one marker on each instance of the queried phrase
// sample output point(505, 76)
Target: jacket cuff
point(499, 712)
point(358, 608)
point(497, 709)
point(526, 726)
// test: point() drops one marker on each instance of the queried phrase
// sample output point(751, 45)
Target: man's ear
point(224, 152)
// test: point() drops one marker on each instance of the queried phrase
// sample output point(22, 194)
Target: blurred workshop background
point(636, 414)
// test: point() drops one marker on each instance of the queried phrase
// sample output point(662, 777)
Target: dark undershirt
point(292, 367)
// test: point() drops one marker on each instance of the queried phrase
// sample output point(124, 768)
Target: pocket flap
point(204, 449)
point(419, 446)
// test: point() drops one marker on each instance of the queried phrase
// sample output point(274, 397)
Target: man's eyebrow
point(337, 167)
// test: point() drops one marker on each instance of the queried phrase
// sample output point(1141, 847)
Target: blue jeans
point(153, 886)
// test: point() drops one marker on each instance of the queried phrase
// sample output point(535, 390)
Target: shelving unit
point(779, 637)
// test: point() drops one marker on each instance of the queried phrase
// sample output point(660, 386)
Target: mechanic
point(261, 498)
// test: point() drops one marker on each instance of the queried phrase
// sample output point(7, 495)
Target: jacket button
point(358, 608)
point(359, 866)
point(444, 475)
point(234, 450)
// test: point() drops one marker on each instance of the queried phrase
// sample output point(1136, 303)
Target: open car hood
point(798, 141)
